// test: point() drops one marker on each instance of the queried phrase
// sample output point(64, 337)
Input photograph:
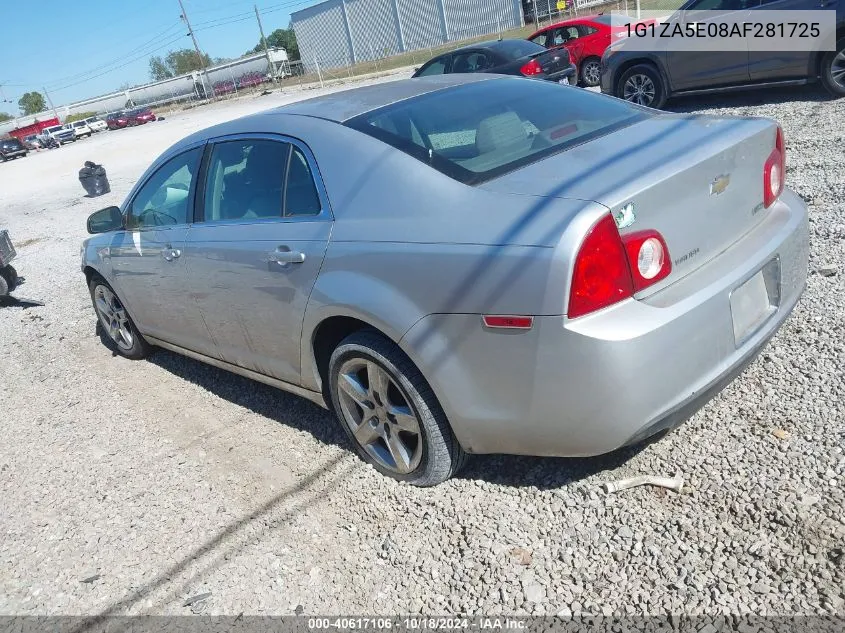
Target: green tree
point(5, 117)
point(158, 69)
point(280, 38)
point(32, 103)
point(177, 63)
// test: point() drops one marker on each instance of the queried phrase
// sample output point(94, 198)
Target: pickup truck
point(59, 133)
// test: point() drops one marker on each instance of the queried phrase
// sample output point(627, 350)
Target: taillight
point(774, 171)
point(610, 268)
point(601, 276)
point(531, 68)
point(648, 257)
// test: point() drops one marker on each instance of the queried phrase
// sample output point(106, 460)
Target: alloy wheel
point(379, 415)
point(113, 317)
point(591, 73)
point(837, 69)
point(639, 89)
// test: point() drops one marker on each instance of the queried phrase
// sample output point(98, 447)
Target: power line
point(81, 75)
point(111, 70)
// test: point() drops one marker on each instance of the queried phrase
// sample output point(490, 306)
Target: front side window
point(164, 200)
point(245, 180)
point(477, 131)
point(436, 67)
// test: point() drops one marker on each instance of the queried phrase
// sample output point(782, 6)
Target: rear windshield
point(517, 49)
point(55, 128)
point(481, 130)
point(10, 142)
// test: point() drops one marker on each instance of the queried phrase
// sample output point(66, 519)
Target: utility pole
point(264, 44)
point(203, 71)
point(50, 101)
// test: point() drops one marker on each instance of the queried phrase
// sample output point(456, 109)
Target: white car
point(80, 129)
point(96, 124)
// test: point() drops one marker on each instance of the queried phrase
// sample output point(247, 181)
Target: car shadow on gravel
point(267, 401)
point(811, 93)
point(546, 472)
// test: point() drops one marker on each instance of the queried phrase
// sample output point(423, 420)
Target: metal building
point(342, 32)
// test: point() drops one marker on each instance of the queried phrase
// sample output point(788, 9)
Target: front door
point(256, 251)
point(148, 257)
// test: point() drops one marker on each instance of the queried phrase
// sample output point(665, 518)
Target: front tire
point(390, 413)
point(833, 70)
point(591, 72)
point(643, 85)
point(116, 322)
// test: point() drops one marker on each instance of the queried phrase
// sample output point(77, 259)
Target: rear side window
point(475, 132)
point(256, 179)
point(301, 196)
point(245, 180)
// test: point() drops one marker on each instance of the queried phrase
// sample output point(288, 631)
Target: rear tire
point(833, 70)
point(591, 72)
point(10, 276)
point(643, 85)
point(4, 287)
point(116, 322)
point(390, 413)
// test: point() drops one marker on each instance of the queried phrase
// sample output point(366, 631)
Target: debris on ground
point(672, 483)
point(197, 598)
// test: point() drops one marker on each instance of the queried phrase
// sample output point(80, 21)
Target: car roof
point(344, 105)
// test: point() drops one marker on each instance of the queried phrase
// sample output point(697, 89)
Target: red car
point(139, 117)
point(585, 38)
point(117, 120)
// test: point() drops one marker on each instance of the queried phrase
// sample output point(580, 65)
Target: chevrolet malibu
point(462, 264)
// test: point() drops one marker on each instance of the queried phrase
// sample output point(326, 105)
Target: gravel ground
point(128, 487)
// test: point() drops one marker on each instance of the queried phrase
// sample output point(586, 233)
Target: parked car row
point(604, 55)
point(129, 118)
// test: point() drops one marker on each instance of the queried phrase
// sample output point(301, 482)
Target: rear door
point(689, 70)
point(769, 65)
point(257, 248)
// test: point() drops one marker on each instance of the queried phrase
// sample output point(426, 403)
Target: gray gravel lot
point(160, 480)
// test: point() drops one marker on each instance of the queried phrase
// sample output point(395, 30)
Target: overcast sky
point(83, 49)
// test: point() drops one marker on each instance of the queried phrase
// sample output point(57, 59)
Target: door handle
point(169, 253)
point(283, 255)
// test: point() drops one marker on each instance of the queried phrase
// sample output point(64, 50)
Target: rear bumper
point(591, 385)
point(15, 154)
point(570, 73)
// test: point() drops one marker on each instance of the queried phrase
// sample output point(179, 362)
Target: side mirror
point(105, 220)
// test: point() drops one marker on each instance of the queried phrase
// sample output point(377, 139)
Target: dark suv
point(11, 148)
point(649, 78)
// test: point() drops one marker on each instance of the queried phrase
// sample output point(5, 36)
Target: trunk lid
point(553, 61)
point(696, 180)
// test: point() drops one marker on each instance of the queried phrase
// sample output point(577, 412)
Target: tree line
point(185, 60)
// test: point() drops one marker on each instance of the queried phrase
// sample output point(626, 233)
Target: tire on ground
point(442, 455)
point(652, 73)
point(837, 89)
point(140, 348)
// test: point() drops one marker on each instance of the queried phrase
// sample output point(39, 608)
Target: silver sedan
point(462, 264)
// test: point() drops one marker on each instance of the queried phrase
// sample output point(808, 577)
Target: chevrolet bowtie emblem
point(719, 184)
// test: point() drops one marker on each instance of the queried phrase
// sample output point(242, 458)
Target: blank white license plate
point(751, 306)
point(565, 81)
